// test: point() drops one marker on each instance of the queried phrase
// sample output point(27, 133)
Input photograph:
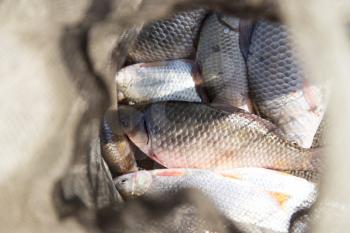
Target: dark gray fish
point(280, 87)
point(221, 61)
point(171, 38)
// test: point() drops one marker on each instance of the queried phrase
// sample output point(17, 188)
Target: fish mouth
point(124, 86)
point(121, 96)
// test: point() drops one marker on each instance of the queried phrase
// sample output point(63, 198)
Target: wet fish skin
point(171, 38)
point(249, 196)
point(117, 151)
point(194, 135)
point(221, 61)
point(279, 84)
point(160, 81)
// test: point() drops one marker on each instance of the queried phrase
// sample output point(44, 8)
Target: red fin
point(169, 172)
point(155, 158)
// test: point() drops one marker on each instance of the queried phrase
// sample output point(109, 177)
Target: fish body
point(221, 61)
point(171, 38)
point(248, 196)
point(194, 135)
point(280, 87)
point(159, 81)
point(117, 151)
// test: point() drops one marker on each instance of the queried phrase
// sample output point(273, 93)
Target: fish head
point(129, 118)
point(133, 124)
point(133, 184)
point(124, 80)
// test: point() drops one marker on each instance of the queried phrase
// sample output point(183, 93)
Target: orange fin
point(169, 172)
point(281, 198)
point(230, 175)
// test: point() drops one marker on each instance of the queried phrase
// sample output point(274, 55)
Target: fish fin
point(156, 159)
point(255, 109)
point(246, 28)
point(281, 198)
point(221, 105)
point(228, 21)
point(153, 64)
point(198, 81)
point(312, 161)
point(230, 176)
point(169, 172)
point(316, 160)
point(220, 100)
point(250, 105)
point(309, 96)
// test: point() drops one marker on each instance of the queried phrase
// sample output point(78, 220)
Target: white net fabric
point(57, 76)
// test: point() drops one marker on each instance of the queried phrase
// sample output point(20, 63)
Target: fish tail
point(315, 162)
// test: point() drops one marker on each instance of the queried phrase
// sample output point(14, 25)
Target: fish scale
point(171, 38)
point(159, 81)
point(215, 139)
point(279, 87)
point(254, 199)
point(221, 62)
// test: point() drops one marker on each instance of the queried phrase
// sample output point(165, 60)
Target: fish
point(320, 138)
point(188, 211)
point(222, 63)
point(171, 38)
point(258, 197)
point(279, 85)
point(117, 151)
point(195, 135)
point(159, 81)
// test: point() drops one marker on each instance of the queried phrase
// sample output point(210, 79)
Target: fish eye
point(123, 181)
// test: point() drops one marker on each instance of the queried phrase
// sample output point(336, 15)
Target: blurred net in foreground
point(55, 90)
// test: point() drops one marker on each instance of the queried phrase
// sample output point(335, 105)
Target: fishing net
point(58, 62)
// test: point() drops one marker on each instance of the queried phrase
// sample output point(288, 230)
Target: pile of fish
point(222, 105)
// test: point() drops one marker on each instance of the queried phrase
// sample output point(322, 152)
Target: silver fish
point(195, 135)
point(222, 63)
point(159, 81)
point(256, 197)
point(171, 38)
point(279, 86)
